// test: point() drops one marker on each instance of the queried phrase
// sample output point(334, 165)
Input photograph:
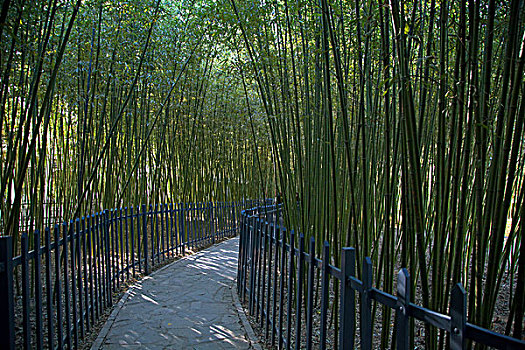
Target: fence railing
point(268, 260)
point(53, 293)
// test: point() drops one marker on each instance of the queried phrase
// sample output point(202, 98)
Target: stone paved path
point(186, 305)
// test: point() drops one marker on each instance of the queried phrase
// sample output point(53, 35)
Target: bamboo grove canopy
point(392, 126)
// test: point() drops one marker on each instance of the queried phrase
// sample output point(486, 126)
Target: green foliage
point(394, 127)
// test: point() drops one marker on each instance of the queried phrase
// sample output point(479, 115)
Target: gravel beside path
point(185, 305)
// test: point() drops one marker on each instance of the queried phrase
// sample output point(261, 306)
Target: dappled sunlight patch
point(145, 297)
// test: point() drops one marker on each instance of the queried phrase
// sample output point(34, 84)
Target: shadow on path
point(185, 305)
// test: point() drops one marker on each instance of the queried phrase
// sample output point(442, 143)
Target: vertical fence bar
point(205, 221)
point(224, 220)
point(176, 228)
point(85, 266)
point(173, 232)
point(145, 237)
point(251, 234)
point(324, 293)
point(58, 289)
point(282, 265)
point(195, 225)
point(244, 257)
point(7, 307)
point(192, 224)
point(79, 278)
point(366, 306)
point(228, 219)
point(94, 247)
point(154, 238)
point(126, 225)
point(299, 293)
point(169, 235)
point(139, 239)
point(162, 231)
point(310, 306)
point(402, 319)
point(199, 221)
point(218, 220)
point(132, 221)
point(89, 237)
point(120, 250)
point(234, 219)
point(239, 264)
point(107, 224)
point(26, 323)
point(214, 224)
point(221, 220)
point(264, 254)
point(290, 290)
point(260, 281)
point(67, 293)
point(212, 229)
point(347, 301)
point(103, 257)
point(275, 266)
point(205, 231)
point(209, 221)
point(181, 223)
point(168, 229)
point(99, 263)
point(193, 217)
point(66, 286)
point(114, 248)
point(38, 291)
point(72, 247)
point(458, 315)
point(188, 225)
point(257, 256)
point(49, 293)
point(269, 231)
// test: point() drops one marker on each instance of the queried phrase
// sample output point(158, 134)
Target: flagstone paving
point(185, 305)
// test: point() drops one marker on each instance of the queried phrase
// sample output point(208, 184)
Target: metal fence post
point(239, 263)
point(212, 218)
point(347, 315)
point(107, 223)
point(325, 280)
point(145, 237)
point(402, 319)
point(7, 308)
point(299, 292)
point(251, 258)
point(458, 315)
point(182, 232)
point(310, 293)
point(26, 325)
point(366, 306)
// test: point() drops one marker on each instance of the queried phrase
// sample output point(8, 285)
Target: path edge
point(250, 334)
point(97, 344)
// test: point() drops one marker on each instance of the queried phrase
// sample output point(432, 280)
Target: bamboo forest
point(392, 126)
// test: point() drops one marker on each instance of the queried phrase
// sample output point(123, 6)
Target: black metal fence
point(268, 260)
point(52, 294)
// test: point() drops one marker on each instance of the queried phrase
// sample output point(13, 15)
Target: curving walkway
point(188, 304)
